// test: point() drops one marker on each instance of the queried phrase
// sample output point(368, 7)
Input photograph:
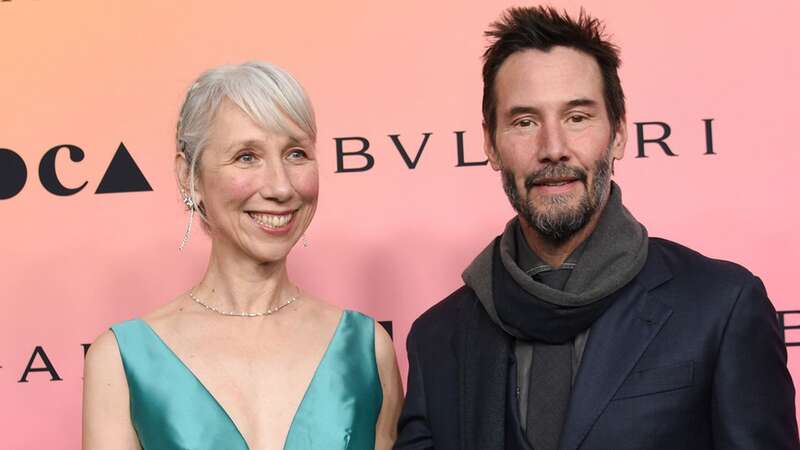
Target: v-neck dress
point(171, 409)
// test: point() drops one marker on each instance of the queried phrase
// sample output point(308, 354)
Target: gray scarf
point(612, 256)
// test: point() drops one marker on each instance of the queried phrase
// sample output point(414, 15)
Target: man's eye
point(246, 157)
point(525, 123)
point(577, 119)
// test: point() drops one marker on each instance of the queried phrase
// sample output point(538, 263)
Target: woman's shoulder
point(132, 333)
point(167, 311)
point(103, 370)
point(328, 312)
point(102, 351)
point(106, 347)
point(167, 318)
point(106, 401)
point(321, 311)
point(382, 341)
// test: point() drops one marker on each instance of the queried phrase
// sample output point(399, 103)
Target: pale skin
point(550, 110)
point(258, 369)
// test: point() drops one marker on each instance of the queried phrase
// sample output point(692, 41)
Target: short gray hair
point(266, 93)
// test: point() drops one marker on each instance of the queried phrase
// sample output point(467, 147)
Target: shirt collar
point(531, 263)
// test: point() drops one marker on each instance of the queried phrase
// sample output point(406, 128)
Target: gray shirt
point(540, 271)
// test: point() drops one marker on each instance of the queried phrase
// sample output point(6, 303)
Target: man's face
point(553, 143)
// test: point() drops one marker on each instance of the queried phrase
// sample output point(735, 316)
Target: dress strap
point(341, 407)
point(170, 407)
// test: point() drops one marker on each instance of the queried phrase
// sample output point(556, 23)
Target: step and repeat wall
point(91, 218)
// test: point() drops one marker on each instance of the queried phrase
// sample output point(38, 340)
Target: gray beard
point(559, 224)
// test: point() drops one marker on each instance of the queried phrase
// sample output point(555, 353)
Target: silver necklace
point(268, 312)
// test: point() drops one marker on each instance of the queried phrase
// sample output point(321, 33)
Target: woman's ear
point(182, 172)
point(183, 176)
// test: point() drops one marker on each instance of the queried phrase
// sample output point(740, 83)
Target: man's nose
point(551, 144)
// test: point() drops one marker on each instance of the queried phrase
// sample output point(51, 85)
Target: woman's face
point(259, 188)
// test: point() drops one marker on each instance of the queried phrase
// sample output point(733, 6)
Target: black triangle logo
point(123, 175)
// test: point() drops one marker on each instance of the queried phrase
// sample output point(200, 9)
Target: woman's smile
point(273, 222)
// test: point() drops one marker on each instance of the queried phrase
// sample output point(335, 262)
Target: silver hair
point(266, 93)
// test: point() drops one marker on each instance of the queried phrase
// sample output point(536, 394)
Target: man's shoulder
point(687, 263)
point(442, 317)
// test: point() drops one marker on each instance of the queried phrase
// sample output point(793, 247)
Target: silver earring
point(190, 205)
point(305, 241)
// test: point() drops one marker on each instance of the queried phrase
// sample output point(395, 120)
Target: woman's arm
point(106, 408)
point(386, 428)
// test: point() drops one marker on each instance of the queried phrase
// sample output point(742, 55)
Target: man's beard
point(555, 221)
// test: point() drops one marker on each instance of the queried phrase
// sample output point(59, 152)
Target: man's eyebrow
point(515, 110)
point(581, 102)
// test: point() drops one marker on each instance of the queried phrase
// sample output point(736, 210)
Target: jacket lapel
point(616, 343)
point(483, 376)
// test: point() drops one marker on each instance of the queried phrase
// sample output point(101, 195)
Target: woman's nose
point(276, 185)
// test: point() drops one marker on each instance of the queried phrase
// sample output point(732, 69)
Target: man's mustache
point(555, 171)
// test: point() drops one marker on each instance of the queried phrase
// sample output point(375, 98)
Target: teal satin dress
point(171, 409)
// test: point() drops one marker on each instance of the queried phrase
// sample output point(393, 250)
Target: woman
point(244, 359)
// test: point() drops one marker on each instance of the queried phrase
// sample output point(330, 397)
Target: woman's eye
point(297, 154)
point(246, 157)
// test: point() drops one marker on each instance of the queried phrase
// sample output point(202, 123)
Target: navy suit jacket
point(689, 356)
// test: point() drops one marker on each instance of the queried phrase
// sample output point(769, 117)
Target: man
point(574, 329)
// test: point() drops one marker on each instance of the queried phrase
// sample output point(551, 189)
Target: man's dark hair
point(543, 28)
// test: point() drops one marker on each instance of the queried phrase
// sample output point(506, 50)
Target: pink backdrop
point(389, 241)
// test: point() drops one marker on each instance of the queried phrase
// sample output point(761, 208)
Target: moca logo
point(122, 174)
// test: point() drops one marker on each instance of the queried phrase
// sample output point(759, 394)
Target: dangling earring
point(305, 241)
point(190, 205)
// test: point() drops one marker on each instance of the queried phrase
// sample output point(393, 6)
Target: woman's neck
point(235, 282)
